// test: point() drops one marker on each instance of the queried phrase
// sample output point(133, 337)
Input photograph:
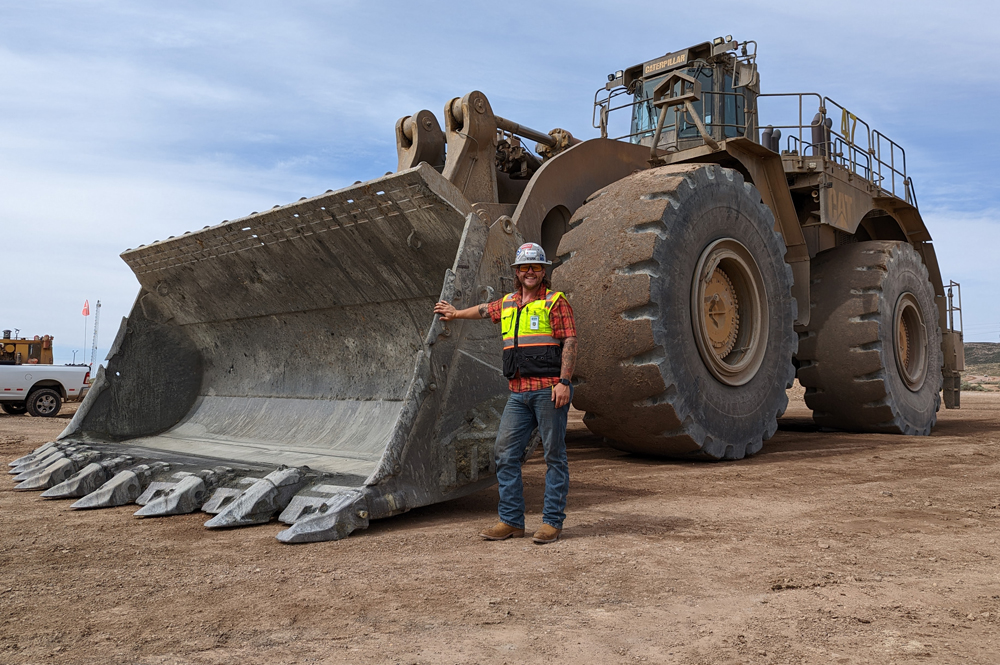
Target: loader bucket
point(290, 361)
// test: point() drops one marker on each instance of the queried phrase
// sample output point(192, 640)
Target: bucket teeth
point(125, 487)
point(37, 468)
point(184, 497)
point(91, 476)
point(261, 500)
point(224, 495)
point(35, 454)
point(87, 479)
point(309, 501)
point(156, 488)
point(187, 495)
point(54, 473)
point(39, 478)
point(41, 462)
point(334, 520)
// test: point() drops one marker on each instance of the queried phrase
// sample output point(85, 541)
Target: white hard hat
point(529, 252)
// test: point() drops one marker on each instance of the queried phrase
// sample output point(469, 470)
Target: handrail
point(911, 193)
point(953, 286)
point(801, 96)
point(867, 153)
point(854, 145)
point(893, 147)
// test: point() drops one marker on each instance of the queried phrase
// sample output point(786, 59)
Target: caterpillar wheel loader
point(708, 263)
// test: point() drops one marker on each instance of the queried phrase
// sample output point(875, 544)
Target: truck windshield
point(644, 115)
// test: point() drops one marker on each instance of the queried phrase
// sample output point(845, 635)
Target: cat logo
point(838, 202)
point(842, 206)
point(669, 61)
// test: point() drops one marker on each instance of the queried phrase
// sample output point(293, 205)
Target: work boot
point(501, 531)
point(547, 534)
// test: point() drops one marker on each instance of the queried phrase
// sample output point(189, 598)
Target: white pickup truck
point(40, 389)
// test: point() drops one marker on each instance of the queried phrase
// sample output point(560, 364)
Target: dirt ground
point(824, 547)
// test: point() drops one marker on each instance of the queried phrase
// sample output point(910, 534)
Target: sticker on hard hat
point(530, 252)
point(534, 322)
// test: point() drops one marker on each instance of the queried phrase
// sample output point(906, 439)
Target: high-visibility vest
point(528, 344)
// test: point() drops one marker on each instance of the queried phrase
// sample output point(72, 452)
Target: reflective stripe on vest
point(530, 340)
point(517, 329)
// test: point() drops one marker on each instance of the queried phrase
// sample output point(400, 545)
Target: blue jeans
point(524, 412)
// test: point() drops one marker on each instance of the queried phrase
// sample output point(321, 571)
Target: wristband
point(566, 382)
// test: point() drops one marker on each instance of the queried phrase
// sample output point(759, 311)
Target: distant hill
point(982, 359)
point(979, 353)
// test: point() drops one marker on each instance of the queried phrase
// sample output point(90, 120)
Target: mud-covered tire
point(628, 267)
point(870, 359)
point(14, 408)
point(44, 403)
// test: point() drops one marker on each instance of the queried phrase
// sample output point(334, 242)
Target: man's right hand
point(446, 310)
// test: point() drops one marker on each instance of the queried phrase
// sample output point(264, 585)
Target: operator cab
point(719, 78)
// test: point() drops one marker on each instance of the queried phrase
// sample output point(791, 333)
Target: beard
point(544, 281)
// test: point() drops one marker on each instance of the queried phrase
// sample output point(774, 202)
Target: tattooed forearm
point(484, 310)
point(568, 358)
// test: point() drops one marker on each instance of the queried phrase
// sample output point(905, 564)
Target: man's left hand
point(560, 395)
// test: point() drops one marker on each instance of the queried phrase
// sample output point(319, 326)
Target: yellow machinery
point(18, 350)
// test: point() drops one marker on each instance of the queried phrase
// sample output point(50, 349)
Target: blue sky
point(126, 122)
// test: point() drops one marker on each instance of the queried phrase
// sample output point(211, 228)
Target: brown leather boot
point(501, 531)
point(547, 534)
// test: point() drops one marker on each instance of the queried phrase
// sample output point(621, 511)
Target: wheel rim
point(45, 404)
point(729, 312)
point(910, 341)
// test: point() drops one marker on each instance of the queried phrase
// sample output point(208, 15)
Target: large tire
point(44, 403)
point(656, 375)
point(870, 359)
point(14, 408)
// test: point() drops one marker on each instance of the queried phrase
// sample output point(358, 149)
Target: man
point(538, 359)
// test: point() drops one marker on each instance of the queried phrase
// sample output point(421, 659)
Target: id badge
point(534, 322)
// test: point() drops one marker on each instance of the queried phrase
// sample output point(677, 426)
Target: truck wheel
point(44, 403)
point(14, 408)
point(870, 359)
point(684, 313)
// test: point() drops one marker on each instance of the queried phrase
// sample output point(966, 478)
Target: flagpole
point(86, 320)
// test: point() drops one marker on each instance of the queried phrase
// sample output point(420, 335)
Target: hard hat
point(529, 252)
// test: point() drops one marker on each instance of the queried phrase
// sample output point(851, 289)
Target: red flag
point(86, 307)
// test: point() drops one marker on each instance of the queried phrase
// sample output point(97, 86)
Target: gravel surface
point(823, 548)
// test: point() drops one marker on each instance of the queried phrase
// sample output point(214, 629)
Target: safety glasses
point(534, 267)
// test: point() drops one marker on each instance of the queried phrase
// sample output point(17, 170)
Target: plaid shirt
point(563, 326)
